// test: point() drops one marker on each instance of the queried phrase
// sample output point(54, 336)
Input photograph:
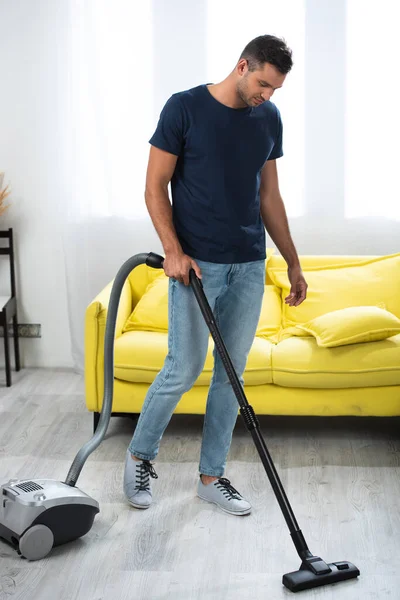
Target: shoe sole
point(239, 514)
point(138, 505)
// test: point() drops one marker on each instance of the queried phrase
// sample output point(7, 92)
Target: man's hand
point(178, 265)
point(298, 289)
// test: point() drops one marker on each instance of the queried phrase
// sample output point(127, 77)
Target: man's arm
point(273, 214)
point(160, 169)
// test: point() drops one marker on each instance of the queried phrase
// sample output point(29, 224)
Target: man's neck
point(225, 93)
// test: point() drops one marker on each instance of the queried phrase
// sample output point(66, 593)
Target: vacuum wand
point(313, 571)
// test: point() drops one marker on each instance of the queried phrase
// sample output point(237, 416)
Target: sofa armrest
point(95, 328)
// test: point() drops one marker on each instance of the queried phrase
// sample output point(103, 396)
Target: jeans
point(234, 293)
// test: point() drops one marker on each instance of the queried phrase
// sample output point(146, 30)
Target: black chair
point(8, 308)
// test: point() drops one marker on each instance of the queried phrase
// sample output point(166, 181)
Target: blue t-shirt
point(215, 185)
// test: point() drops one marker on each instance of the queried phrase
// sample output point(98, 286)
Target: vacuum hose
point(313, 571)
point(151, 260)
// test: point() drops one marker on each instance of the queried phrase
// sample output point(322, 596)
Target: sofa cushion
point(140, 355)
point(151, 311)
point(353, 325)
point(372, 282)
point(300, 362)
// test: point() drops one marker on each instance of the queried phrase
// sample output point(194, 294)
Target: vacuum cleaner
point(37, 514)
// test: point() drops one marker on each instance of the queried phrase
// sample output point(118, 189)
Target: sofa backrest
point(309, 261)
point(142, 275)
point(339, 281)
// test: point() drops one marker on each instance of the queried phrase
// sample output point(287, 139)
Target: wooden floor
point(342, 477)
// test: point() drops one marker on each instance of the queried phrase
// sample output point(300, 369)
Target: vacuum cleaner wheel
point(36, 542)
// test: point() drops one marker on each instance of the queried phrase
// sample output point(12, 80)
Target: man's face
point(255, 87)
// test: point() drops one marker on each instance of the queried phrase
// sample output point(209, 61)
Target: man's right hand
point(178, 265)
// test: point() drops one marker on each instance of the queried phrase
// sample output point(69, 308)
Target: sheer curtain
point(124, 59)
point(111, 104)
point(108, 79)
point(372, 117)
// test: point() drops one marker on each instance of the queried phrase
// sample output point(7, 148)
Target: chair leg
point(7, 354)
point(16, 343)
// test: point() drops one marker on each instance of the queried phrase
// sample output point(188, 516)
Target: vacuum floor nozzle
point(308, 577)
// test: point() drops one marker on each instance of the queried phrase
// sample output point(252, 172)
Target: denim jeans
point(234, 293)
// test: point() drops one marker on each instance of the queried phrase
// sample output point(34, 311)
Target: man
point(218, 145)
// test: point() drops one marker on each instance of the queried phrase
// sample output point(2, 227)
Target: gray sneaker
point(221, 493)
point(137, 481)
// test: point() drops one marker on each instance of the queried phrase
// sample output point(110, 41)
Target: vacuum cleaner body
point(37, 514)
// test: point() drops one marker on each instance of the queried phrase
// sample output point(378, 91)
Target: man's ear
point(242, 66)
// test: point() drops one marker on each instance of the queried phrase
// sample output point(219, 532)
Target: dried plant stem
point(3, 195)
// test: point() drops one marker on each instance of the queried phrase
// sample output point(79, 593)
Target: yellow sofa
point(338, 353)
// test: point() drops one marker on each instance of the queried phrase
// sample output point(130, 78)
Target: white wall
point(31, 41)
point(31, 36)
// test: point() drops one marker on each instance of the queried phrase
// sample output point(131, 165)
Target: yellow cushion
point(151, 311)
point(299, 362)
point(139, 356)
point(269, 324)
point(372, 282)
point(353, 325)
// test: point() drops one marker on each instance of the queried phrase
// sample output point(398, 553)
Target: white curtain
point(124, 59)
point(372, 109)
point(109, 116)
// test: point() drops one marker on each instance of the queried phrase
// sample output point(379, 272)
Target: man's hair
point(268, 49)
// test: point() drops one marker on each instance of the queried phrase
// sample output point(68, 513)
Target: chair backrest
point(9, 251)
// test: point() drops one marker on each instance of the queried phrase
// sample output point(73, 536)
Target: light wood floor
point(342, 477)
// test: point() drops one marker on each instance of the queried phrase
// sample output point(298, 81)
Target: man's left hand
point(298, 289)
